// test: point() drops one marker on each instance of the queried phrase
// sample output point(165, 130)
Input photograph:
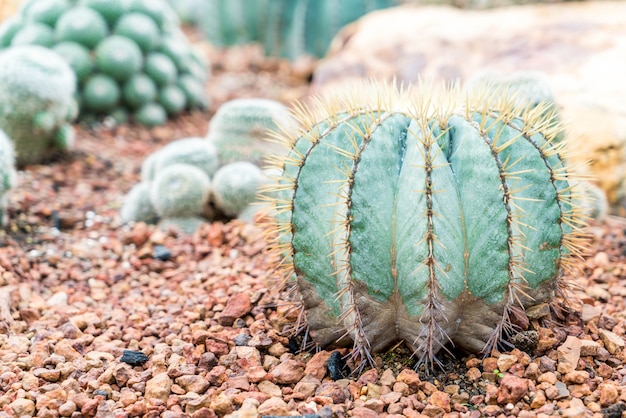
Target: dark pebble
point(101, 393)
point(161, 253)
point(134, 358)
point(293, 346)
point(242, 339)
point(614, 411)
point(337, 367)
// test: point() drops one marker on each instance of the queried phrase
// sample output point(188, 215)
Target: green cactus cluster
point(286, 28)
point(8, 174)
point(184, 184)
point(241, 129)
point(424, 218)
point(129, 56)
point(36, 102)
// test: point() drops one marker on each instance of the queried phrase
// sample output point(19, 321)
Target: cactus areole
point(405, 221)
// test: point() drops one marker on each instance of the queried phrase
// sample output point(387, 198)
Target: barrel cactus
point(111, 45)
point(36, 102)
point(241, 129)
point(235, 187)
point(286, 28)
point(425, 220)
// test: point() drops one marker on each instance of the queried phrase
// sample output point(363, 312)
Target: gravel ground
point(103, 319)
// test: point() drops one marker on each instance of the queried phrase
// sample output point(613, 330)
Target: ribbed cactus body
point(405, 224)
point(36, 102)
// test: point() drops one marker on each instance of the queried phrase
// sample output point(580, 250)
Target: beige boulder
point(580, 47)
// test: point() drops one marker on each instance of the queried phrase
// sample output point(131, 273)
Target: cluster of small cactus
point(286, 28)
point(129, 56)
point(183, 184)
point(8, 174)
point(407, 216)
point(36, 102)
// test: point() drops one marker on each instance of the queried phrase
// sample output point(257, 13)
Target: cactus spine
point(403, 220)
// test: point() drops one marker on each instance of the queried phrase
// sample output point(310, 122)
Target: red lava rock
point(512, 389)
point(364, 412)
point(568, 354)
point(317, 365)
point(441, 400)
point(288, 372)
point(217, 348)
point(332, 390)
point(576, 377)
point(237, 306)
point(547, 340)
point(204, 413)
point(490, 364)
point(411, 378)
point(608, 394)
point(370, 376)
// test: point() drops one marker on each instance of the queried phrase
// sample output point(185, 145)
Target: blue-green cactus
point(404, 221)
point(180, 190)
point(235, 187)
point(36, 102)
point(241, 128)
point(114, 41)
point(138, 206)
point(193, 151)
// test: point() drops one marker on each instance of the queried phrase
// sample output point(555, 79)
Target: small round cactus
point(403, 221)
point(138, 205)
point(235, 187)
point(187, 224)
point(194, 151)
point(241, 129)
point(36, 102)
point(180, 190)
point(115, 47)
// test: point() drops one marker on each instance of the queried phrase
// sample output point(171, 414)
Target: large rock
point(581, 48)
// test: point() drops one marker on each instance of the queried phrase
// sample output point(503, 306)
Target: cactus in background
point(240, 129)
point(233, 22)
point(193, 151)
point(404, 221)
point(36, 102)
point(235, 187)
point(180, 190)
point(187, 225)
point(183, 181)
point(111, 45)
point(286, 28)
point(8, 175)
point(138, 205)
point(175, 186)
point(530, 88)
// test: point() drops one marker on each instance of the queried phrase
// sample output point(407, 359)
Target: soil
point(99, 318)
